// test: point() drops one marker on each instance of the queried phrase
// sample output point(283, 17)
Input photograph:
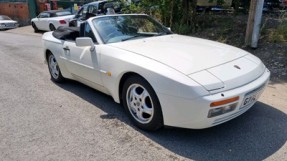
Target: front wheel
point(54, 69)
point(142, 104)
point(35, 27)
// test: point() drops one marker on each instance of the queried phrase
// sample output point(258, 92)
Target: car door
point(37, 21)
point(42, 21)
point(80, 61)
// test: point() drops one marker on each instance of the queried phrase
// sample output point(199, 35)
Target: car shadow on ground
point(255, 135)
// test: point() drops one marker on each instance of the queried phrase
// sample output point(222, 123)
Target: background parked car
point(94, 9)
point(7, 23)
point(51, 20)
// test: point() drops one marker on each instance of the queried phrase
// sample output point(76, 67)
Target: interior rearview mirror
point(85, 41)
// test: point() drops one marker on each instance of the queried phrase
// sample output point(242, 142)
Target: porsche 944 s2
point(161, 78)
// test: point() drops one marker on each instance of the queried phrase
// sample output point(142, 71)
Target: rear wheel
point(142, 104)
point(35, 27)
point(52, 27)
point(54, 69)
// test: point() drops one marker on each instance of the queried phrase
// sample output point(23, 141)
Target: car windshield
point(128, 27)
point(5, 18)
point(63, 13)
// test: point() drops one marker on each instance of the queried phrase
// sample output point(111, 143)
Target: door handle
point(66, 48)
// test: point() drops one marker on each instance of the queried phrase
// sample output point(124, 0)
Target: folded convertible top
point(65, 33)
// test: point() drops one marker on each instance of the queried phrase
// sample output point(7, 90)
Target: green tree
point(180, 15)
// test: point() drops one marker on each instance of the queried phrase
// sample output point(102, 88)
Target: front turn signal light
point(223, 102)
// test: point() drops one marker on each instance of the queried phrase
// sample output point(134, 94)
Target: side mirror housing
point(84, 42)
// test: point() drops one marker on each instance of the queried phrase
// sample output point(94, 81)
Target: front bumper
point(185, 113)
point(8, 26)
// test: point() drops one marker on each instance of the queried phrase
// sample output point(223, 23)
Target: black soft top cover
point(66, 33)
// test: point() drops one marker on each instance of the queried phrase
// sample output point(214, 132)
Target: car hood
point(215, 66)
point(183, 53)
point(7, 21)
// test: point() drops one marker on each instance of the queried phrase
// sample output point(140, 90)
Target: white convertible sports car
point(51, 20)
point(161, 78)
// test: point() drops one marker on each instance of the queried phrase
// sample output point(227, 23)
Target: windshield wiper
point(145, 35)
point(162, 33)
point(132, 37)
point(139, 35)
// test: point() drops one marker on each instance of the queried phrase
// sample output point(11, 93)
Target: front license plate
point(251, 97)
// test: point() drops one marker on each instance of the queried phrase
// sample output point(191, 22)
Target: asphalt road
point(41, 120)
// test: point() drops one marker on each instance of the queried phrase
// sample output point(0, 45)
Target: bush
point(278, 34)
point(183, 29)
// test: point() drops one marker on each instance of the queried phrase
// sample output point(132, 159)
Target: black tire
point(52, 27)
point(54, 69)
point(143, 108)
point(35, 27)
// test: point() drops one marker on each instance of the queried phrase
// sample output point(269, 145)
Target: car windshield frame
point(3, 17)
point(119, 28)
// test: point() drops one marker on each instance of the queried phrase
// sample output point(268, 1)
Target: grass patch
point(229, 29)
point(182, 29)
point(278, 34)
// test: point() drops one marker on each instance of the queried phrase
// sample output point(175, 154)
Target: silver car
point(7, 23)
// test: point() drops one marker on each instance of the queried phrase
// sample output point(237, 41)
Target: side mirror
point(85, 41)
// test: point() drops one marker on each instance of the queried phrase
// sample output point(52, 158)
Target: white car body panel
point(189, 113)
point(159, 79)
point(43, 23)
point(82, 62)
point(186, 73)
point(214, 58)
point(228, 74)
point(165, 49)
